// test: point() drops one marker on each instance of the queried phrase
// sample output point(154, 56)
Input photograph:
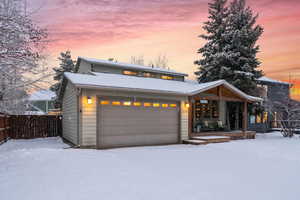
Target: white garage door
point(125, 122)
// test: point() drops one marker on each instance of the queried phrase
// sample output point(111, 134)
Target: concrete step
point(194, 142)
point(212, 138)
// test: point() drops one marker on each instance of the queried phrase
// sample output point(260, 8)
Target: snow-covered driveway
point(267, 168)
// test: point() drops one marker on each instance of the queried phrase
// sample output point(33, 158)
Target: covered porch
point(220, 112)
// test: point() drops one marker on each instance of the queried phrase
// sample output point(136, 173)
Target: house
point(41, 102)
point(272, 90)
point(108, 104)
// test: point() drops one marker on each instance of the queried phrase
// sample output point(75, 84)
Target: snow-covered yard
point(267, 168)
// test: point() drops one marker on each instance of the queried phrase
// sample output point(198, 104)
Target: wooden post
point(245, 116)
point(190, 118)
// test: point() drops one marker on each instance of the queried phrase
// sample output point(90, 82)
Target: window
point(156, 104)
point(104, 102)
point(173, 105)
point(127, 103)
point(265, 117)
point(252, 119)
point(258, 119)
point(167, 77)
point(130, 73)
point(147, 104)
point(137, 103)
point(116, 103)
point(148, 74)
point(206, 109)
point(164, 105)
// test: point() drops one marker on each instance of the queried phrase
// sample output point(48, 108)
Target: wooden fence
point(4, 128)
point(29, 126)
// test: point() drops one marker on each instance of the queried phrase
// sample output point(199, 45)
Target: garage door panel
point(121, 141)
point(131, 126)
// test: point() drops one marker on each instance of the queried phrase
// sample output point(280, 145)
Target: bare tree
point(160, 61)
point(138, 60)
point(22, 44)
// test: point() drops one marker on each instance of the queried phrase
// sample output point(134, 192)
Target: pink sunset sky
point(124, 28)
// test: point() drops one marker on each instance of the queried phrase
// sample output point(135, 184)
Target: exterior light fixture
point(187, 105)
point(89, 100)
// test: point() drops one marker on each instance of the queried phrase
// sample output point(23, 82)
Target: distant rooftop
point(267, 79)
point(131, 66)
point(42, 95)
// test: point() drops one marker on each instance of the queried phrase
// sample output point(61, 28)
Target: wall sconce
point(89, 100)
point(187, 105)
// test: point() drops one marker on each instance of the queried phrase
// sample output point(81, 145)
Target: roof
point(267, 79)
point(130, 66)
point(42, 95)
point(141, 84)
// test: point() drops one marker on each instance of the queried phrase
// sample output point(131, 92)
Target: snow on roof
point(42, 95)
point(123, 82)
point(131, 66)
point(267, 79)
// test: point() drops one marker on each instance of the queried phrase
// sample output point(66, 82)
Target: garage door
point(127, 122)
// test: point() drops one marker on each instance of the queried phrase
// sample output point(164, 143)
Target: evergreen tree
point(236, 59)
point(211, 63)
point(66, 65)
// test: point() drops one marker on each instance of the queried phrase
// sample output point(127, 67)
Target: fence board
point(4, 128)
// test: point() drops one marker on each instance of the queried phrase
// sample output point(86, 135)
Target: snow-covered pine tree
point(66, 65)
point(230, 52)
point(241, 36)
point(211, 65)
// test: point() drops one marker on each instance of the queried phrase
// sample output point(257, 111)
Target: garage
point(134, 122)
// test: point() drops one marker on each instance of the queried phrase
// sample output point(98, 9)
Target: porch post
point(190, 118)
point(245, 116)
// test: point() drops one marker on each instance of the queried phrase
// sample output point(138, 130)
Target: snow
point(267, 79)
point(130, 66)
point(42, 95)
point(262, 169)
point(117, 81)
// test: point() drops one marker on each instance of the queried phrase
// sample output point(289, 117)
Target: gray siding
point(70, 114)
point(84, 67)
point(184, 121)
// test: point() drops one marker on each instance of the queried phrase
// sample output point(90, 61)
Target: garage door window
point(164, 105)
point(104, 102)
point(156, 104)
point(147, 104)
point(137, 103)
point(127, 103)
point(116, 103)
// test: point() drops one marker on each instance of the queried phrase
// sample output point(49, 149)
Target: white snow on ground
point(263, 169)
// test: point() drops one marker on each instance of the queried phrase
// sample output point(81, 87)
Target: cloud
point(78, 24)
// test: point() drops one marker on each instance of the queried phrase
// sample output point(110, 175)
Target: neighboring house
point(272, 90)
point(41, 102)
point(108, 104)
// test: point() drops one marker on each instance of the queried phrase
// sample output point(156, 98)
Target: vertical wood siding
point(184, 122)
point(88, 120)
point(70, 114)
